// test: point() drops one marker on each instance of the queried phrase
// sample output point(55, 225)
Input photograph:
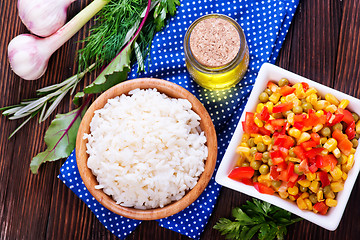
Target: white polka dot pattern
point(265, 24)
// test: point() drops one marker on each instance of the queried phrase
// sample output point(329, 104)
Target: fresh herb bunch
point(267, 220)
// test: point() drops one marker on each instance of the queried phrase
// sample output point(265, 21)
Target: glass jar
point(216, 52)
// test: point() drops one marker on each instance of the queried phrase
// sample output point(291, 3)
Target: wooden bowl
point(172, 90)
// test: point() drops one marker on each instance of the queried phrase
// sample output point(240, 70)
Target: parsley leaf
point(254, 217)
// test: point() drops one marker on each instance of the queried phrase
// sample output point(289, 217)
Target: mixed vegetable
point(298, 145)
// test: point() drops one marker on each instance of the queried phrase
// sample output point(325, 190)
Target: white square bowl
point(331, 220)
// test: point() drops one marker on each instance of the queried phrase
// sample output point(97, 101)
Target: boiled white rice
point(145, 149)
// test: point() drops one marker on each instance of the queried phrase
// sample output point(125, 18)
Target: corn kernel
point(357, 127)
point(292, 159)
point(304, 182)
point(319, 113)
point(332, 99)
point(244, 150)
point(336, 173)
point(269, 106)
point(312, 99)
point(344, 103)
point(291, 98)
point(290, 118)
point(258, 122)
point(240, 160)
point(301, 204)
point(311, 176)
point(330, 194)
point(293, 190)
point(308, 204)
point(258, 139)
point(259, 107)
point(320, 195)
point(331, 202)
point(292, 198)
point(353, 150)
point(349, 164)
point(294, 132)
point(323, 140)
point(330, 144)
point(336, 186)
point(265, 179)
point(310, 91)
point(283, 194)
point(337, 152)
point(321, 104)
point(331, 108)
point(274, 98)
point(317, 127)
point(303, 137)
point(314, 186)
point(325, 152)
point(344, 176)
point(283, 99)
point(304, 195)
point(344, 158)
point(299, 91)
point(245, 137)
point(266, 139)
point(244, 144)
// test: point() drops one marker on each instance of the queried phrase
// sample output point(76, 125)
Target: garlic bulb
point(43, 17)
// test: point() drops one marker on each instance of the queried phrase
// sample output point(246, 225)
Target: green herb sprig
point(267, 220)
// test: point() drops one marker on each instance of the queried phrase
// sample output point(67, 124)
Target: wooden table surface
point(323, 44)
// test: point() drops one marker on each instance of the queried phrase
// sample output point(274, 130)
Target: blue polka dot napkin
point(265, 24)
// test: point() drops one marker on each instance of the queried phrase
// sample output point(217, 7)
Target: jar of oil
point(216, 52)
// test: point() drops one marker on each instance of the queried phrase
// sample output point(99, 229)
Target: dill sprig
point(110, 32)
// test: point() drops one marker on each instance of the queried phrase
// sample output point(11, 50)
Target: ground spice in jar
point(214, 42)
point(216, 52)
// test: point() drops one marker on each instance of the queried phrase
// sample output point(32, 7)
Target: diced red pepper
point(272, 86)
point(321, 207)
point(315, 137)
point(264, 131)
point(286, 90)
point(300, 152)
point(247, 181)
point(249, 125)
point(241, 173)
point(344, 143)
point(313, 168)
point(299, 125)
point(324, 161)
point(336, 118)
point(305, 86)
point(313, 152)
point(274, 173)
point(309, 144)
point(284, 141)
point(283, 107)
point(276, 157)
point(299, 117)
point(258, 156)
point(277, 123)
point(285, 174)
point(348, 117)
point(263, 188)
point(324, 178)
point(264, 115)
point(350, 130)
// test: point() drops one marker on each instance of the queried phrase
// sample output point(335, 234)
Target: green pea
point(255, 178)
point(291, 153)
point(306, 106)
point(276, 184)
point(355, 142)
point(355, 116)
point(297, 109)
point(251, 142)
point(253, 150)
point(266, 155)
point(245, 164)
point(270, 162)
point(326, 132)
point(303, 189)
point(255, 164)
point(264, 97)
point(357, 135)
point(313, 198)
point(327, 189)
point(337, 126)
point(283, 82)
point(261, 147)
point(296, 169)
point(268, 91)
point(264, 169)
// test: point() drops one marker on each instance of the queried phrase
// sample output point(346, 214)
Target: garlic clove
point(43, 17)
point(26, 59)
